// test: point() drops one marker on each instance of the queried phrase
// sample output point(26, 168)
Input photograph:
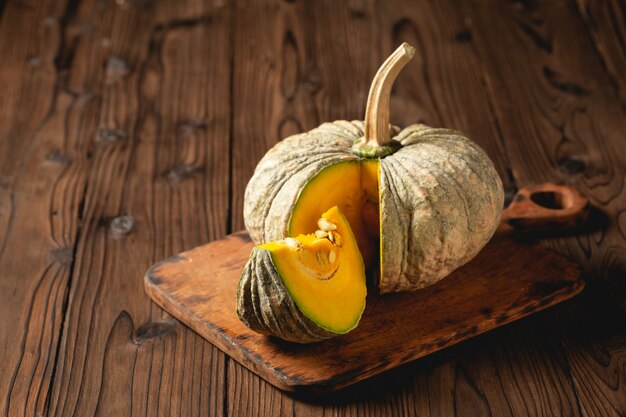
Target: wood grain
point(606, 23)
point(161, 150)
point(45, 127)
point(573, 127)
point(594, 336)
point(508, 280)
point(538, 84)
point(571, 131)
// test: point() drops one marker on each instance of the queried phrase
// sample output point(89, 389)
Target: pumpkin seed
point(320, 234)
point(332, 257)
point(338, 240)
point(326, 225)
point(320, 258)
point(331, 236)
point(289, 241)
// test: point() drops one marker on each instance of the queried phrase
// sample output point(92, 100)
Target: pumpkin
point(421, 201)
point(307, 288)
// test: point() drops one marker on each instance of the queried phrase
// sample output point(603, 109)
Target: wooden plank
point(606, 23)
point(566, 124)
point(45, 132)
point(508, 280)
point(158, 183)
point(594, 335)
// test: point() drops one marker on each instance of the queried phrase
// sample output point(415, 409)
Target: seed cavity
point(326, 225)
point(326, 265)
point(329, 234)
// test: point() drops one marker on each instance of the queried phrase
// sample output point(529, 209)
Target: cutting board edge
point(244, 357)
point(256, 364)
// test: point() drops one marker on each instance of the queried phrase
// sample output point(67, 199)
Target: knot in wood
point(34, 61)
point(153, 329)
point(122, 225)
point(189, 127)
point(50, 20)
point(111, 135)
point(63, 256)
point(55, 155)
point(312, 83)
point(463, 36)
point(180, 172)
point(572, 165)
point(116, 69)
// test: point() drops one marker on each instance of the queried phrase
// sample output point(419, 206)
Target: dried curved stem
point(377, 110)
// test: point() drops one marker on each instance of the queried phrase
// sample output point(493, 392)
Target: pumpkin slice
point(307, 288)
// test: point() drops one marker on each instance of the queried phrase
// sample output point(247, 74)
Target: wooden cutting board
point(511, 278)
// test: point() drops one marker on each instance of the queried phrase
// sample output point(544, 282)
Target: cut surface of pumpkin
point(321, 273)
point(353, 187)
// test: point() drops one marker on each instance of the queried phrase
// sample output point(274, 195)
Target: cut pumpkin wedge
point(317, 281)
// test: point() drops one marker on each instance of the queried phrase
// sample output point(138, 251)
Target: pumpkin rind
point(265, 306)
point(440, 203)
point(285, 170)
point(440, 197)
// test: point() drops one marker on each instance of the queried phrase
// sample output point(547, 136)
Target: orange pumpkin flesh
point(353, 187)
point(305, 288)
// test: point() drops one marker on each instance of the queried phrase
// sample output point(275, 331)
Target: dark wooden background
point(129, 129)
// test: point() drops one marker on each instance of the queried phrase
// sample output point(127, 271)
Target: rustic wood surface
point(512, 277)
point(128, 131)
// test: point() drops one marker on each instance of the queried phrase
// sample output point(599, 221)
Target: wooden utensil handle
point(547, 207)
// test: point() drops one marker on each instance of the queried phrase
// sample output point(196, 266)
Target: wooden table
point(129, 129)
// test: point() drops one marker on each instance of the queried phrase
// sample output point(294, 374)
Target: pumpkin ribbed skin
point(285, 169)
point(265, 306)
point(440, 203)
point(440, 197)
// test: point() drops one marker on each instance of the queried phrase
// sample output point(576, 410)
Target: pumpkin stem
point(377, 141)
